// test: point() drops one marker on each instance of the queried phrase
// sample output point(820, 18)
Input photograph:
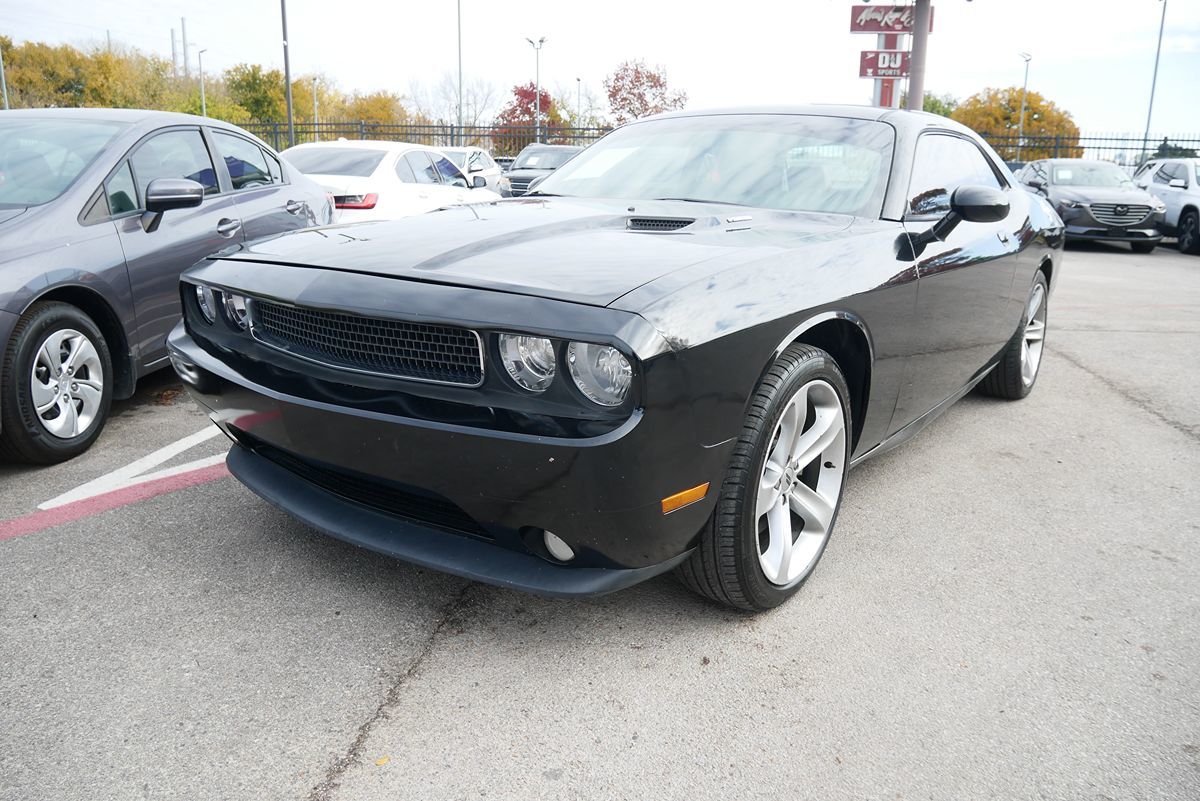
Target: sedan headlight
point(235, 310)
point(505, 184)
point(1159, 207)
point(601, 372)
point(1070, 204)
point(528, 360)
point(207, 301)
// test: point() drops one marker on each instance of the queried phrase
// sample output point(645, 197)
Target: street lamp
point(460, 105)
point(287, 75)
point(1024, 88)
point(578, 102)
point(3, 84)
point(1154, 80)
point(537, 97)
point(203, 104)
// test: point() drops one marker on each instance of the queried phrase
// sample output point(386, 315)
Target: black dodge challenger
point(666, 356)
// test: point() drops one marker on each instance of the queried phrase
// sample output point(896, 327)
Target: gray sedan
point(100, 210)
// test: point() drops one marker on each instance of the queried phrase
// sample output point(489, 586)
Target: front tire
point(57, 387)
point(1016, 373)
point(779, 502)
point(1189, 233)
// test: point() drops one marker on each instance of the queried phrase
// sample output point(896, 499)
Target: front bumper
point(371, 479)
point(1081, 226)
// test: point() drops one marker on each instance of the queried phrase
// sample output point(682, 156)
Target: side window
point(941, 165)
point(404, 171)
point(274, 166)
point(122, 195)
point(450, 174)
point(96, 209)
point(422, 167)
point(1163, 175)
point(175, 154)
point(486, 160)
point(245, 160)
point(476, 163)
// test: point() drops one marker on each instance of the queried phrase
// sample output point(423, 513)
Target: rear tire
point(791, 460)
point(1143, 247)
point(1189, 232)
point(57, 389)
point(1016, 373)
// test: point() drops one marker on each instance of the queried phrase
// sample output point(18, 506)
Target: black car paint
point(122, 276)
point(703, 311)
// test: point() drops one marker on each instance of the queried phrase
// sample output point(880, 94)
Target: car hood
point(1101, 194)
point(571, 249)
point(527, 174)
point(10, 214)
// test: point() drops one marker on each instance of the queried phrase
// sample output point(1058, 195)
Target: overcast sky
point(1093, 58)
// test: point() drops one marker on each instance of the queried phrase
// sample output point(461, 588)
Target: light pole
point(916, 78)
point(3, 84)
point(1154, 80)
point(287, 75)
point(203, 104)
point(460, 116)
point(316, 130)
point(1024, 88)
point(578, 102)
point(537, 88)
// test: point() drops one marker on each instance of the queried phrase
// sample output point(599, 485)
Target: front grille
point(519, 186)
point(436, 353)
point(1119, 213)
point(408, 503)
point(657, 223)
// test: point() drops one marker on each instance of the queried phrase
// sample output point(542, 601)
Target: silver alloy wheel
point(801, 483)
point(1188, 232)
point(1034, 336)
point(66, 383)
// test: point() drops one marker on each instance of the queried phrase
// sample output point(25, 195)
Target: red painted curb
point(48, 518)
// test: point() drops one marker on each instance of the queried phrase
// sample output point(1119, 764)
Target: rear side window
point(450, 174)
point(942, 164)
point(274, 166)
point(122, 195)
point(404, 171)
point(175, 154)
point(245, 161)
point(422, 167)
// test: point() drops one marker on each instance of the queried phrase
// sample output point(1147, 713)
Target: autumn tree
point(934, 104)
point(260, 92)
point(515, 122)
point(635, 90)
point(1049, 130)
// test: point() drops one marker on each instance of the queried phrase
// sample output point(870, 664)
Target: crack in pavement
point(451, 617)
point(1192, 432)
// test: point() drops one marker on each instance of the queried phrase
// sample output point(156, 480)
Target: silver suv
point(1176, 182)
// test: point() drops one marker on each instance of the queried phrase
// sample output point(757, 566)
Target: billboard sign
point(884, 19)
point(884, 64)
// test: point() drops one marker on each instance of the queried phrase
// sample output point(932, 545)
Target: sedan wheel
point(58, 385)
point(1189, 233)
point(1015, 374)
point(779, 501)
point(1034, 337)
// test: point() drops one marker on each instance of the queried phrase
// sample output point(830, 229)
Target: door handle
point(227, 227)
point(294, 207)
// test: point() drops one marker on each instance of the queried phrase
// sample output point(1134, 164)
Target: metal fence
point(1125, 149)
point(500, 140)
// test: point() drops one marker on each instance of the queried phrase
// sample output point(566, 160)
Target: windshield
point(1090, 174)
point(357, 162)
point(542, 158)
point(793, 162)
point(39, 159)
point(457, 156)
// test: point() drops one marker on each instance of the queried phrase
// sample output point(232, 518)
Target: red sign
point(884, 19)
point(884, 64)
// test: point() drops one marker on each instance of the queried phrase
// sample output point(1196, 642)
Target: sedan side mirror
point(478, 182)
point(165, 194)
point(1036, 183)
point(1178, 183)
point(978, 204)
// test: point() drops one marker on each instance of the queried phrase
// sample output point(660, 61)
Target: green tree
point(995, 114)
point(260, 92)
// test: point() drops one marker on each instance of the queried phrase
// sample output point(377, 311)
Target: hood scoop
point(658, 224)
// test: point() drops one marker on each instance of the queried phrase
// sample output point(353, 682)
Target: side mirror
point(478, 182)
point(1178, 183)
point(1036, 183)
point(165, 194)
point(979, 204)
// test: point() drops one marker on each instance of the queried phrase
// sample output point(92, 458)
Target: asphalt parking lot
point(1009, 608)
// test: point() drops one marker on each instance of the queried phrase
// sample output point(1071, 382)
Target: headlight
point(1070, 204)
point(504, 183)
point(235, 310)
point(207, 301)
point(601, 372)
point(529, 360)
point(1159, 207)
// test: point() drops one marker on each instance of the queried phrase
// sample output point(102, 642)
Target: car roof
point(900, 118)
point(366, 144)
point(122, 115)
point(458, 149)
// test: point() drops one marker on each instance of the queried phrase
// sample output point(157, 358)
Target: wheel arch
point(845, 337)
point(95, 306)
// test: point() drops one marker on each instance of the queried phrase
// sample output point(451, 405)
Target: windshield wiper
point(542, 194)
point(701, 200)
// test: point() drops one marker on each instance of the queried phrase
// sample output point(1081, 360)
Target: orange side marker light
point(686, 498)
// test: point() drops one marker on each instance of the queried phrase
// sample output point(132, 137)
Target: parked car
point(372, 180)
point(100, 211)
point(1176, 182)
point(476, 161)
point(1098, 201)
point(669, 361)
point(505, 162)
point(532, 164)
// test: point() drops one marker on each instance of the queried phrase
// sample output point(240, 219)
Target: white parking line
point(136, 471)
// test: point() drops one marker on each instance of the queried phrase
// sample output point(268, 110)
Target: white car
point(476, 161)
point(1176, 182)
point(372, 180)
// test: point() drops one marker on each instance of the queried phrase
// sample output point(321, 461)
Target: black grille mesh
point(387, 347)
point(657, 224)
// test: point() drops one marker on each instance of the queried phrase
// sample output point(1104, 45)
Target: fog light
point(557, 548)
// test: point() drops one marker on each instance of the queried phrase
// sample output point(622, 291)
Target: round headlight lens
point(235, 310)
point(529, 360)
point(207, 302)
point(601, 372)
